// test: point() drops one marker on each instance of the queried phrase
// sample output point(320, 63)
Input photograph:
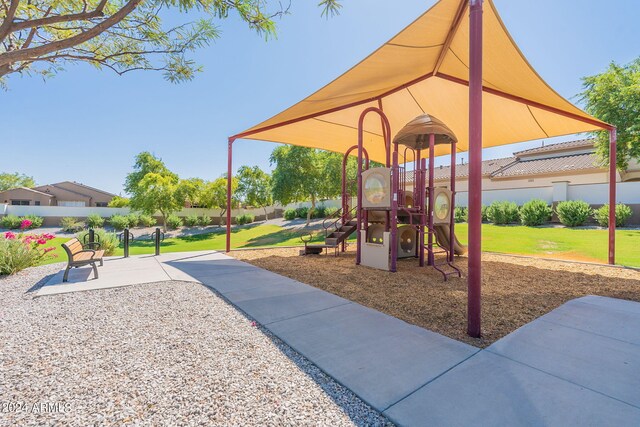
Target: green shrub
point(11, 222)
point(191, 221)
point(205, 220)
point(320, 212)
point(18, 252)
point(118, 202)
point(484, 210)
point(330, 212)
point(173, 222)
point(302, 212)
point(133, 219)
point(108, 241)
point(95, 220)
point(245, 219)
point(460, 214)
point(119, 222)
point(573, 213)
point(623, 213)
point(535, 212)
point(147, 220)
point(71, 224)
point(290, 214)
point(503, 213)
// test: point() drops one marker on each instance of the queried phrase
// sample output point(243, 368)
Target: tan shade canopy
point(415, 134)
point(424, 69)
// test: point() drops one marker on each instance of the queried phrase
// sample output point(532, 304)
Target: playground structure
point(399, 217)
point(458, 62)
point(394, 211)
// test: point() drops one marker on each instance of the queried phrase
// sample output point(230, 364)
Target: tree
point(191, 191)
point(157, 193)
point(14, 180)
point(298, 176)
point(153, 187)
point(614, 97)
point(254, 187)
point(41, 36)
point(215, 195)
point(119, 202)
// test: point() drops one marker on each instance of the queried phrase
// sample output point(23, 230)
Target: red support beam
point(474, 279)
point(229, 190)
point(601, 125)
point(452, 219)
point(612, 194)
point(431, 200)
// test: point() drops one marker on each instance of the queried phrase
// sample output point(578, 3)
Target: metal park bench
point(79, 255)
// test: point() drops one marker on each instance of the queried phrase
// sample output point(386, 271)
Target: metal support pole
point(393, 235)
point(125, 235)
point(452, 221)
point(612, 194)
point(359, 196)
point(432, 147)
point(423, 219)
point(474, 279)
point(229, 191)
point(417, 177)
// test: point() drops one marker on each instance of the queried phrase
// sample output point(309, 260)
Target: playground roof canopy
point(425, 69)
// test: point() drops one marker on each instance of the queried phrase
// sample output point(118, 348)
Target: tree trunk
point(222, 212)
point(164, 221)
point(266, 217)
point(313, 207)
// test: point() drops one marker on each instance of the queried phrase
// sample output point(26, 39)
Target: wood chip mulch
point(515, 290)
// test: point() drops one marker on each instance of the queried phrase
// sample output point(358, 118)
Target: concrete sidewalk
point(577, 365)
point(118, 272)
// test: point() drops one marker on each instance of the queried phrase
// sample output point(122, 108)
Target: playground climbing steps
point(334, 239)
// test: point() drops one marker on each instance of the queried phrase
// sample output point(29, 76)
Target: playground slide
point(442, 236)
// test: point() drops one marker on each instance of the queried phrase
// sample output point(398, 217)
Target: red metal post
point(452, 223)
point(474, 280)
point(432, 145)
point(416, 194)
point(612, 194)
point(345, 198)
point(229, 191)
point(393, 235)
point(423, 220)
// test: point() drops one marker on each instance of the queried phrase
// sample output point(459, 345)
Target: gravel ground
point(170, 353)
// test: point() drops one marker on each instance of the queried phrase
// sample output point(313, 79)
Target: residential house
point(66, 193)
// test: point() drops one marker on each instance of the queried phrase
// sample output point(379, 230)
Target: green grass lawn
point(566, 243)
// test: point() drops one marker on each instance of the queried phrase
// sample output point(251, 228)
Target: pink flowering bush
point(20, 251)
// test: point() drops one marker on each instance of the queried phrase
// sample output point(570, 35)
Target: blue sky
point(87, 125)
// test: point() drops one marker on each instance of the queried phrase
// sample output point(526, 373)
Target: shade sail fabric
point(425, 69)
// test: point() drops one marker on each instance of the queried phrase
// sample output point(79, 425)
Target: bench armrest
point(92, 245)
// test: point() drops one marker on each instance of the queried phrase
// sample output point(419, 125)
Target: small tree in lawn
point(158, 193)
point(191, 191)
point(298, 176)
point(15, 180)
point(614, 97)
point(254, 187)
point(153, 187)
point(215, 195)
